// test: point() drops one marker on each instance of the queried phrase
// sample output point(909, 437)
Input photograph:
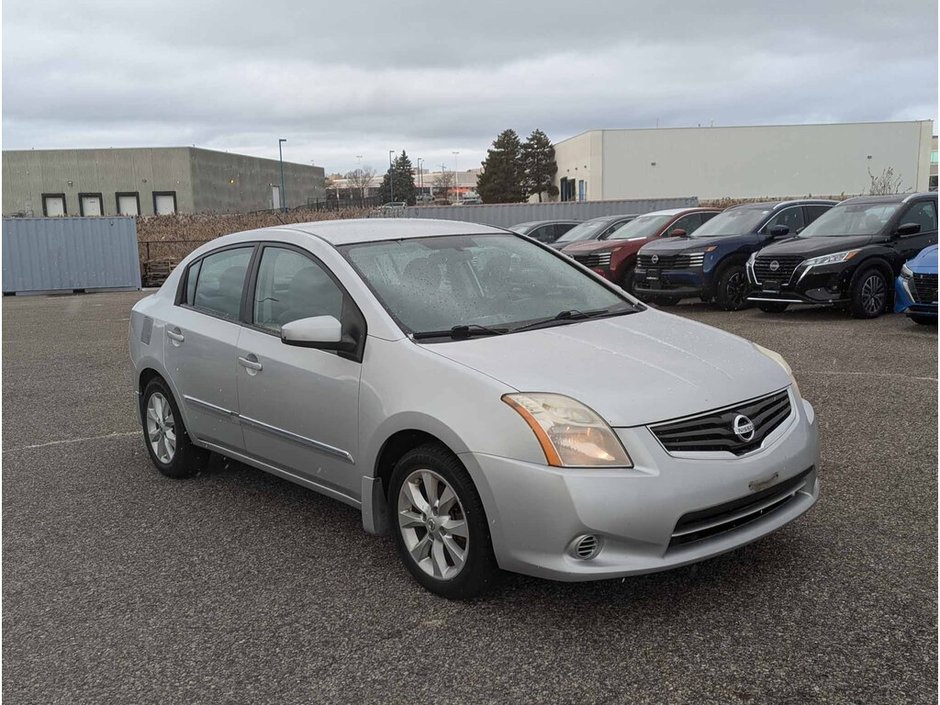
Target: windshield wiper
point(574, 314)
point(459, 332)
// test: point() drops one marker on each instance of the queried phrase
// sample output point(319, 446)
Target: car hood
point(600, 245)
point(632, 370)
point(814, 246)
point(675, 245)
point(925, 262)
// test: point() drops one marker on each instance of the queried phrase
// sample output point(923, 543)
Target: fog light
point(585, 547)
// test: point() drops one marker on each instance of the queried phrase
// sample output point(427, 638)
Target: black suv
point(710, 262)
point(849, 257)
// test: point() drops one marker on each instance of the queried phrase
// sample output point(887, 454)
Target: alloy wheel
point(736, 290)
point(161, 428)
point(433, 524)
point(873, 294)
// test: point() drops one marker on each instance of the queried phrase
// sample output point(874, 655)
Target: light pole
point(280, 157)
point(420, 180)
point(391, 176)
point(456, 192)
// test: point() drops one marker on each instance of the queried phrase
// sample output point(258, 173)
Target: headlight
point(778, 358)
point(834, 258)
point(571, 434)
point(906, 272)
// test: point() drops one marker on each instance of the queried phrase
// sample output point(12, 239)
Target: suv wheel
point(771, 307)
point(439, 524)
point(168, 443)
point(869, 294)
point(731, 294)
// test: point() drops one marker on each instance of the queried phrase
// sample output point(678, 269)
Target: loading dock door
point(275, 197)
point(127, 205)
point(91, 205)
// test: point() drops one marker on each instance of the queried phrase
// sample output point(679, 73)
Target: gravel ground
point(120, 585)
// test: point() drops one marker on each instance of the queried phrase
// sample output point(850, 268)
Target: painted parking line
point(65, 441)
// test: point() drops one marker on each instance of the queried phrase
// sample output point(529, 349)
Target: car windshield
point(523, 228)
point(588, 230)
point(483, 281)
point(851, 219)
point(641, 227)
point(735, 221)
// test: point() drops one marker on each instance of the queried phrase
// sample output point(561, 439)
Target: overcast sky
point(345, 78)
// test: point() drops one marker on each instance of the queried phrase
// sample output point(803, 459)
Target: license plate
point(652, 274)
point(772, 287)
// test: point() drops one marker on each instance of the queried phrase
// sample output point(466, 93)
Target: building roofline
point(744, 127)
point(189, 148)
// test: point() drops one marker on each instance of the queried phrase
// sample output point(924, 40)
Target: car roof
point(773, 205)
point(891, 198)
point(546, 222)
point(682, 211)
point(347, 232)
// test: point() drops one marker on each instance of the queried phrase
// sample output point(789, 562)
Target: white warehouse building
point(742, 162)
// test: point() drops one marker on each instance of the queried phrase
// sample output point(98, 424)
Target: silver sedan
point(490, 402)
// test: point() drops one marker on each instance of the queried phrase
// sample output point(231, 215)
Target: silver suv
point(489, 401)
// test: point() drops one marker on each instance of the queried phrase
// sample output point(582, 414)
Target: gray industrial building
point(148, 181)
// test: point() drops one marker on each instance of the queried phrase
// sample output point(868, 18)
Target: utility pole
point(391, 175)
point(280, 156)
point(420, 180)
point(456, 192)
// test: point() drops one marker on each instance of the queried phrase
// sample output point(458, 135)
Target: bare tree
point(443, 182)
point(360, 179)
point(886, 183)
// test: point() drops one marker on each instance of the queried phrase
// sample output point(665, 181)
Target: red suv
point(614, 258)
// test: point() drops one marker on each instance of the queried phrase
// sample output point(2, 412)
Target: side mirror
point(321, 332)
point(678, 232)
point(779, 231)
point(908, 229)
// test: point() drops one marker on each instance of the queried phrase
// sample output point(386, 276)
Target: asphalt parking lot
point(120, 585)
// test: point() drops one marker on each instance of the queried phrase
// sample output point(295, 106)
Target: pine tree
point(501, 180)
point(538, 161)
point(400, 176)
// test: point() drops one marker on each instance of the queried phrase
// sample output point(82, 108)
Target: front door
point(924, 213)
point(299, 406)
point(200, 344)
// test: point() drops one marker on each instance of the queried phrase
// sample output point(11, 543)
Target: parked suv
point(710, 263)
point(849, 257)
point(546, 231)
point(614, 258)
point(916, 288)
point(594, 229)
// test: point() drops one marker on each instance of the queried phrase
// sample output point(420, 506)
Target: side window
point(191, 276)
point(812, 212)
point(543, 233)
point(689, 223)
point(791, 217)
point(220, 281)
point(292, 286)
point(924, 214)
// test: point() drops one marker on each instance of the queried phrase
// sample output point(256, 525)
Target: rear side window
point(219, 282)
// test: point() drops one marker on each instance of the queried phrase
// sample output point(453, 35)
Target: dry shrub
point(728, 202)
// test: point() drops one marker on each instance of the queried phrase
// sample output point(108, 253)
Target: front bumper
point(672, 282)
point(818, 285)
point(535, 511)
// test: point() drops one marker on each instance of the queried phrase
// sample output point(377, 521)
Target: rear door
point(200, 344)
point(299, 406)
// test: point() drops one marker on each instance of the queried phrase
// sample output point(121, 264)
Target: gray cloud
point(343, 79)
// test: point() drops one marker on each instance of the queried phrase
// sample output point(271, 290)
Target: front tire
point(165, 436)
point(731, 293)
point(770, 307)
point(439, 524)
point(869, 294)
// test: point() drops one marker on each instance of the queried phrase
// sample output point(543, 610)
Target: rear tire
point(439, 525)
point(924, 320)
point(731, 291)
point(165, 436)
point(770, 307)
point(869, 294)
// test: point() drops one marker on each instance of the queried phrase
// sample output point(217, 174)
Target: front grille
point(706, 523)
point(593, 259)
point(714, 430)
point(680, 261)
point(766, 270)
point(925, 288)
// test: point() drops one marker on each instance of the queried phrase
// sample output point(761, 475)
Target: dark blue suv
point(709, 264)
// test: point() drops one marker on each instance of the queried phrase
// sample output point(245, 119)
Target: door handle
point(175, 335)
point(251, 362)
